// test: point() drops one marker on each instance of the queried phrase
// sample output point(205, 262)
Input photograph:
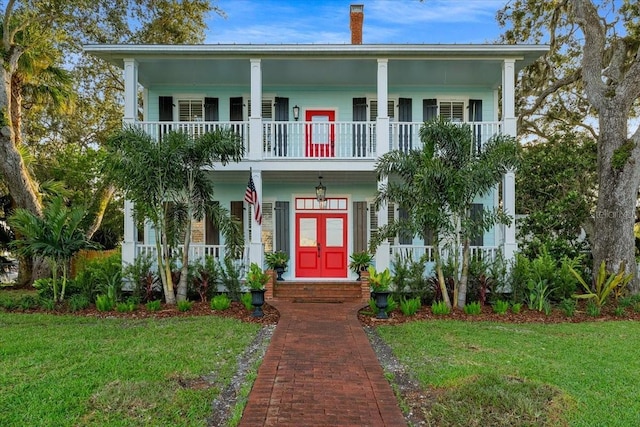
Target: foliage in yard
point(174, 171)
point(55, 236)
point(437, 185)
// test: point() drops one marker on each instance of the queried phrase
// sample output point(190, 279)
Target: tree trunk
point(619, 178)
point(464, 274)
point(103, 203)
point(20, 183)
point(441, 282)
point(184, 273)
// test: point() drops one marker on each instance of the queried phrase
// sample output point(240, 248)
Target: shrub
point(105, 302)
point(144, 283)
point(27, 302)
point(126, 307)
point(604, 284)
point(220, 302)
point(516, 308)
point(568, 306)
point(500, 306)
point(153, 305)
point(439, 308)
point(618, 311)
point(44, 287)
point(47, 304)
point(245, 299)
point(78, 302)
point(184, 306)
point(539, 295)
point(8, 303)
point(409, 277)
point(629, 301)
point(409, 307)
point(519, 277)
point(205, 277)
point(593, 309)
point(230, 273)
point(472, 308)
point(94, 275)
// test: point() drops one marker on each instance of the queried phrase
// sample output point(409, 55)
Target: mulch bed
point(487, 314)
point(237, 311)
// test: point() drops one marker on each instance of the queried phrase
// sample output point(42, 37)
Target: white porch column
point(382, 121)
point(130, 90)
point(508, 97)
point(255, 120)
point(382, 256)
point(130, 238)
point(130, 117)
point(509, 179)
point(509, 200)
point(256, 250)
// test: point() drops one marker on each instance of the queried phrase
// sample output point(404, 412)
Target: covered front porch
point(318, 236)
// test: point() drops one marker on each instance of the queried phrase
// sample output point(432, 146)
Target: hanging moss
point(621, 155)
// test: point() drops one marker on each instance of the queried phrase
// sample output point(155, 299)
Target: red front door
point(321, 245)
point(320, 133)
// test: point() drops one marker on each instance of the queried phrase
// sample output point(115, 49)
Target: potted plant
point(360, 261)
point(256, 280)
point(277, 261)
point(380, 285)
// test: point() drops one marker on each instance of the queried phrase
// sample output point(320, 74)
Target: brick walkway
point(320, 370)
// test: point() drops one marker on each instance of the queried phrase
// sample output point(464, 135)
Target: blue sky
point(327, 21)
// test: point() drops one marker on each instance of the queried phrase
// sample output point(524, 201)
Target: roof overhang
point(450, 64)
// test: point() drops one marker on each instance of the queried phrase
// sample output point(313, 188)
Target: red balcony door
point(321, 245)
point(320, 133)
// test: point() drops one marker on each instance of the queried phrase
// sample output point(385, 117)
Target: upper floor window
point(452, 110)
point(190, 110)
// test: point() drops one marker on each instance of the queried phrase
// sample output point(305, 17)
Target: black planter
point(257, 300)
point(279, 271)
point(381, 298)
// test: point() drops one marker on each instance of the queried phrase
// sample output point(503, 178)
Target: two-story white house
point(316, 117)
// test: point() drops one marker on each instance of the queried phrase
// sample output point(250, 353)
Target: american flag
point(251, 197)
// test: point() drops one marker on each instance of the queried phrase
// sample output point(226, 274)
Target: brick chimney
point(356, 21)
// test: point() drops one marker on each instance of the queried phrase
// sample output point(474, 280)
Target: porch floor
point(320, 370)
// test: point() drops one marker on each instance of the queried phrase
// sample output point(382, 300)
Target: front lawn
point(487, 373)
point(69, 371)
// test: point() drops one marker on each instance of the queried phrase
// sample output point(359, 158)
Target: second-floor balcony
point(321, 140)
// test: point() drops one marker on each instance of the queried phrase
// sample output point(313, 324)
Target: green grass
point(584, 374)
point(69, 371)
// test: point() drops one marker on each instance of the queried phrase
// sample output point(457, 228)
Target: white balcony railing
point(331, 140)
point(320, 139)
point(406, 136)
point(197, 252)
point(416, 253)
point(157, 129)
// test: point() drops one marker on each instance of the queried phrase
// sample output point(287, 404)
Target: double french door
point(321, 245)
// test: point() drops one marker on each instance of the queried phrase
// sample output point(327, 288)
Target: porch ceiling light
point(321, 191)
point(296, 112)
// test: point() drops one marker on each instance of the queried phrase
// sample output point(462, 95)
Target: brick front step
point(319, 291)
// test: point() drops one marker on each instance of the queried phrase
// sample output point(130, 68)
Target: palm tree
point(195, 190)
point(437, 185)
point(154, 173)
point(55, 237)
